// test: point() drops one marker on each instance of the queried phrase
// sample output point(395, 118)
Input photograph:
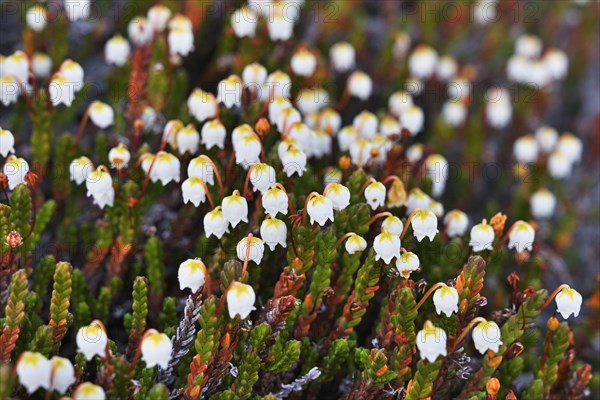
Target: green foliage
point(422, 383)
point(283, 354)
point(336, 356)
point(547, 367)
point(60, 301)
point(154, 265)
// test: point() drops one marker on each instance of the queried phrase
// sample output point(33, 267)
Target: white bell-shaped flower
point(273, 232)
point(203, 168)
point(80, 169)
point(33, 371)
point(570, 147)
point(390, 126)
point(73, 73)
point(230, 91)
point(422, 62)
point(366, 124)
point(482, 237)
point(320, 209)
point(192, 274)
point(407, 263)
point(559, 166)
point(417, 199)
point(101, 114)
point(342, 56)
point(360, 85)
point(393, 224)
point(193, 191)
point(386, 246)
point(41, 64)
point(77, 9)
point(166, 168)
point(375, 194)
point(119, 156)
point(181, 41)
point(117, 50)
point(140, 31)
point(456, 223)
point(244, 21)
point(16, 170)
point(412, 118)
point(568, 301)
point(436, 167)
point(89, 391)
point(330, 121)
point(156, 349)
point(446, 68)
point(289, 119)
point(414, 153)
point(213, 134)
point(262, 177)
point(280, 25)
point(294, 161)
point(311, 100)
point(235, 208)
point(10, 90)
point(7, 142)
point(525, 149)
point(247, 150)
point(63, 374)
point(187, 139)
point(454, 113)
point(92, 340)
point(240, 300)
point(498, 109)
point(543, 203)
point(215, 223)
point(339, 195)
point(546, 138)
point(529, 46)
point(431, 342)
point(556, 63)
point(277, 84)
point(61, 90)
point(254, 76)
point(355, 244)
point(253, 249)
point(399, 101)
point(99, 186)
point(202, 105)
point(274, 201)
point(424, 223)
point(158, 17)
point(303, 62)
point(36, 18)
point(445, 299)
point(17, 66)
point(486, 336)
point(522, 236)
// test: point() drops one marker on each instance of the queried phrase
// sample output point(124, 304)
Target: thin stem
point(390, 179)
point(290, 205)
point(345, 236)
point(504, 238)
point(379, 216)
point(217, 174)
point(367, 183)
point(552, 296)
point(247, 256)
point(208, 196)
point(428, 293)
point(81, 129)
point(408, 221)
point(465, 332)
point(308, 198)
point(247, 181)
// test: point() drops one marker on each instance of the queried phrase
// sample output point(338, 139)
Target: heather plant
point(296, 199)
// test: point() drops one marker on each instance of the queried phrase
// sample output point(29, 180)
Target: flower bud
point(492, 386)
point(192, 274)
point(386, 246)
point(320, 209)
point(156, 349)
point(14, 239)
point(274, 231)
point(445, 300)
point(262, 126)
point(568, 301)
point(431, 342)
point(240, 300)
point(553, 323)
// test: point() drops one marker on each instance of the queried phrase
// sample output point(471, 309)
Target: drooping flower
point(355, 244)
point(192, 274)
point(215, 223)
point(568, 301)
point(412, 118)
point(431, 342)
point(181, 41)
point(393, 224)
point(399, 101)
point(303, 62)
point(543, 203)
point(63, 374)
point(386, 246)
point(445, 300)
point(559, 165)
point(7, 142)
point(247, 150)
point(240, 300)
point(294, 161)
point(422, 62)
point(99, 186)
point(158, 16)
point(202, 105)
point(80, 169)
point(253, 249)
point(193, 191)
point(482, 237)
point(486, 336)
point(339, 195)
point(522, 236)
point(254, 76)
point(244, 21)
point(360, 85)
point(117, 50)
point(156, 349)
point(262, 177)
point(230, 91)
point(202, 168)
point(92, 340)
point(407, 263)
point(273, 231)
point(456, 223)
point(525, 149)
point(274, 201)
point(33, 371)
point(140, 31)
point(375, 194)
point(41, 64)
point(546, 138)
point(166, 168)
point(570, 147)
point(235, 208)
point(366, 124)
point(320, 209)
point(213, 134)
point(77, 9)
point(89, 391)
point(36, 18)
point(187, 139)
point(119, 156)
point(424, 223)
point(342, 56)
